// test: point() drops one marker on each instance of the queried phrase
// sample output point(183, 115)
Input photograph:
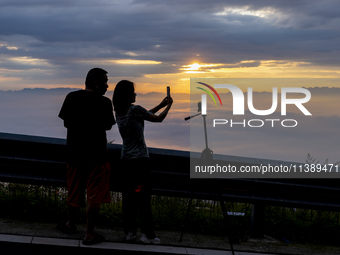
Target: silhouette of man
point(87, 114)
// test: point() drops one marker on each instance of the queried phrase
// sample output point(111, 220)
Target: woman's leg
point(130, 207)
point(144, 203)
point(147, 225)
point(130, 210)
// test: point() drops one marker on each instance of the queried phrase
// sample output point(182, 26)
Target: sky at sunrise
point(53, 44)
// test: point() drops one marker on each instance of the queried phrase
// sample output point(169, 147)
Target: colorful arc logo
point(207, 91)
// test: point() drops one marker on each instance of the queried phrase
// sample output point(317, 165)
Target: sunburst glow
point(197, 68)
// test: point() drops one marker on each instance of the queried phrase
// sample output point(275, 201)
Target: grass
point(31, 202)
point(48, 204)
point(303, 225)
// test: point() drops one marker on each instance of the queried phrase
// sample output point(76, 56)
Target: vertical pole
point(257, 220)
point(205, 132)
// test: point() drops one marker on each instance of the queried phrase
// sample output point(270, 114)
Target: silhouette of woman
point(136, 173)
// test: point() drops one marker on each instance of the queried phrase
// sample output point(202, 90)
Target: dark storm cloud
point(68, 33)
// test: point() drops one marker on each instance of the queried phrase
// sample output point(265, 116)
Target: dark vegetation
point(48, 204)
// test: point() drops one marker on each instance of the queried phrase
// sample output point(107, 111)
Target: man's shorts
point(94, 178)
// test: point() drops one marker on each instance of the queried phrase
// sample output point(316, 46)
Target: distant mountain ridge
point(66, 90)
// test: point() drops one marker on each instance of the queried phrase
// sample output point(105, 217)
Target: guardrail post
point(257, 220)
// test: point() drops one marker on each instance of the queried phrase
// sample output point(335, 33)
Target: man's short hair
point(95, 74)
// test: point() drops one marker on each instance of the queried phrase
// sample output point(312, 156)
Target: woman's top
point(131, 129)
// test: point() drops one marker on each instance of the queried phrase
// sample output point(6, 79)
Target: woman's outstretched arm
point(159, 118)
point(160, 106)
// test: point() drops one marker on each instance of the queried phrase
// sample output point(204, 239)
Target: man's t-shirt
point(87, 116)
point(131, 128)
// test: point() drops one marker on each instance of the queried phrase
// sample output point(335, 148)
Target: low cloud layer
point(35, 112)
point(241, 135)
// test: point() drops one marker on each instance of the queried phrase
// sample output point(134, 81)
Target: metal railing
point(41, 161)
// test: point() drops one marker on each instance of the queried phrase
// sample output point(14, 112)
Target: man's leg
point(98, 191)
point(75, 196)
point(72, 217)
point(92, 213)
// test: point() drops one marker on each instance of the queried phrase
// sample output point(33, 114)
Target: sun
point(194, 67)
point(199, 68)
